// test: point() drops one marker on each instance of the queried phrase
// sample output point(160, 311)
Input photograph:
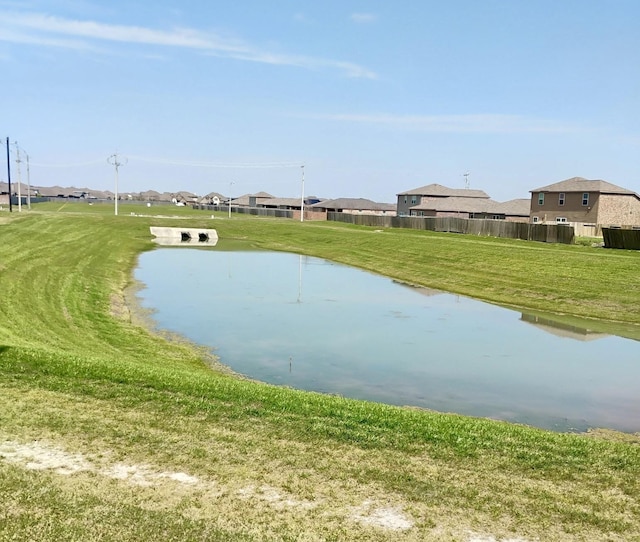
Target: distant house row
point(578, 201)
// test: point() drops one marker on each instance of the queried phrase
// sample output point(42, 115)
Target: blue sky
point(374, 98)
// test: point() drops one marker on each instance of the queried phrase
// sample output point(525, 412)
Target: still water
point(316, 325)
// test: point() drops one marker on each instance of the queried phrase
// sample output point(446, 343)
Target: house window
point(405, 199)
point(414, 200)
point(585, 199)
point(535, 219)
point(541, 198)
point(561, 220)
point(561, 198)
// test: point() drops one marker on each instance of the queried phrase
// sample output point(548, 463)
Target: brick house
point(437, 200)
point(585, 202)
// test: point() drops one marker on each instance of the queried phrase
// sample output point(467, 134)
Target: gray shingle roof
point(357, 204)
point(580, 184)
point(516, 207)
point(150, 194)
point(210, 197)
point(455, 204)
point(245, 199)
point(279, 202)
point(443, 191)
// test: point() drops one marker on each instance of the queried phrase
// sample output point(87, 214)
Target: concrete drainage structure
point(183, 236)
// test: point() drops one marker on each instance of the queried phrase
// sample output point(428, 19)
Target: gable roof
point(246, 198)
point(150, 194)
point(214, 194)
point(514, 207)
point(278, 202)
point(210, 197)
point(456, 205)
point(443, 191)
point(359, 204)
point(580, 184)
point(185, 195)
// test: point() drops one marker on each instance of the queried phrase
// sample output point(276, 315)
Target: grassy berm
point(110, 432)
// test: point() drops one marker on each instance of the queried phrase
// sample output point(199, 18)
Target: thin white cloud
point(363, 18)
point(18, 36)
point(311, 63)
point(37, 28)
point(478, 123)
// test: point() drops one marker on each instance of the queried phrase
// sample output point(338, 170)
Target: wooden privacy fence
point(256, 211)
point(621, 238)
point(546, 233)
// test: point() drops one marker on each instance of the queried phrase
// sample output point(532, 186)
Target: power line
point(77, 164)
point(240, 165)
point(188, 163)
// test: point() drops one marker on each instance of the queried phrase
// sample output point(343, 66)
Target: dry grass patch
point(201, 472)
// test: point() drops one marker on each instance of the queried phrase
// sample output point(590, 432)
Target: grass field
point(108, 432)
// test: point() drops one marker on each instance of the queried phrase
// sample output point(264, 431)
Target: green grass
point(77, 376)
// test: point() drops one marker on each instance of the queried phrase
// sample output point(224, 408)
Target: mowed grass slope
point(108, 432)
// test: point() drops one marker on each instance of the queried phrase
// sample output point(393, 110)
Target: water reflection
point(184, 241)
point(316, 325)
point(561, 329)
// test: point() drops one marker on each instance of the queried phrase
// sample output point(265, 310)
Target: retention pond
point(315, 325)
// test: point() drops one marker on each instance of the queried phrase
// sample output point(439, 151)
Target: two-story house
point(584, 201)
point(438, 200)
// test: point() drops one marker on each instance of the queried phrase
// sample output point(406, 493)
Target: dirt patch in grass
point(119, 308)
point(42, 456)
point(614, 436)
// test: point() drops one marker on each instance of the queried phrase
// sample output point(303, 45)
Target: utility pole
point(28, 185)
point(302, 197)
point(9, 176)
point(230, 185)
point(115, 162)
point(19, 179)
